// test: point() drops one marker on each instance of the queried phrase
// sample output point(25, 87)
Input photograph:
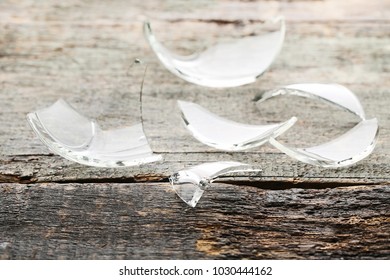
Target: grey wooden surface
point(51, 208)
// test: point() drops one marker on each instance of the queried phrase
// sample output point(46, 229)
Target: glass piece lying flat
point(73, 136)
point(332, 93)
point(225, 134)
point(230, 64)
point(190, 184)
point(349, 148)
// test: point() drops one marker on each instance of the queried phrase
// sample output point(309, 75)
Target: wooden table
point(51, 208)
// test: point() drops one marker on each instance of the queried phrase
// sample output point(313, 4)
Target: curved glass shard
point(224, 134)
point(349, 148)
point(73, 136)
point(190, 184)
point(230, 64)
point(332, 93)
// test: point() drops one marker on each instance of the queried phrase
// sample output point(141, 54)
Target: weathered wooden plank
point(138, 221)
point(81, 12)
point(52, 208)
point(275, 167)
point(98, 85)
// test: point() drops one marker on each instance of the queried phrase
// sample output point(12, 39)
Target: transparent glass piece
point(190, 184)
point(349, 148)
point(75, 137)
point(332, 93)
point(227, 64)
point(224, 134)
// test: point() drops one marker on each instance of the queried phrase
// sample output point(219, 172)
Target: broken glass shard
point(190, 184)
point(228, 64)
point(334, 94)
point(347, 149)
point(73, 136)
point(224, 134)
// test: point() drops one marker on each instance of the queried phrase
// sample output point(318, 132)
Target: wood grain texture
point(81, 51)
point(139, 221)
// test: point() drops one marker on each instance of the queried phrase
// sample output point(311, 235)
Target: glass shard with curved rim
point(190, 184)
point(73, 136)
point(224, 134)
point(229, 64)
point(334, 94)
point(347, 149)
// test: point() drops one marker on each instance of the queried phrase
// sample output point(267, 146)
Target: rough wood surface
point(139, 221)
point(81, 51)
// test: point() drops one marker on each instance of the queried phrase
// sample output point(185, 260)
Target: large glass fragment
point(190, 184)
point(347, 149)
point(224, 134)
point(73, 136)
point(226, 64)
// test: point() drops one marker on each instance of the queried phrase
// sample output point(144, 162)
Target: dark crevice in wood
point(266, 185)
point(216, 21)
point(284, 185)
point(257, 21)
point(30, 180)
point(152, 179)
point(11, 178)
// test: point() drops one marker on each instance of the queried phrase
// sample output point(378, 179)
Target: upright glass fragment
point(228, 64)
point(224, 134)
point(347, 149)
point(334, 94)
point(190, 184)
point(70, 134)
point(73, 136)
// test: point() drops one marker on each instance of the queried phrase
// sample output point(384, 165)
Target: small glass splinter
point(75, 137)
point(225, 134)
point(190, 184)
point(229, 64)
point(347, 149)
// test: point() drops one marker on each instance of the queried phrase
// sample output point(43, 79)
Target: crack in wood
point(12, 178)
point(295, 184)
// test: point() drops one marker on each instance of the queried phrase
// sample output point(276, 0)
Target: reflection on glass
point(347, 149)
point(190, 184)
point(225, 134)
point(71, 135)
point(229, 64)
point(332, 93)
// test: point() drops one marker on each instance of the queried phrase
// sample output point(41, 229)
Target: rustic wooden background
point(51, 208)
